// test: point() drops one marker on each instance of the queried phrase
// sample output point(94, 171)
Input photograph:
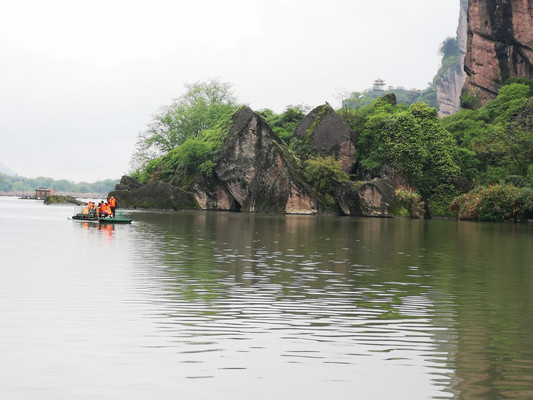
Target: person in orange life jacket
point(112, 205)
point(103, 209)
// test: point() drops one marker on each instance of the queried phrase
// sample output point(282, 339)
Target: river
point(204, 305)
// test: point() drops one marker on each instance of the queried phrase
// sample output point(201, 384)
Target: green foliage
point(492, 203)
point(522, 81)
point(324, 173)
point(526, 203)
point(493, 142)
point(181, 164)
point(470, 100)
point(405, 146)
point(449, 47)
point(411, 202)
point(10, 183)
point(371, 123)
point(188, 157)
point(203, 106)
point(414, 142)
point(285, 124)
point(422, 151)
point(357, 100)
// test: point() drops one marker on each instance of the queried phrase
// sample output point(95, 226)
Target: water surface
point(200, 305)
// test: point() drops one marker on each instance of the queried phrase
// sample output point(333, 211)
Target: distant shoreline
point(73, 194)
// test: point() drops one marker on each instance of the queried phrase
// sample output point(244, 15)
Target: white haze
point(79, 80)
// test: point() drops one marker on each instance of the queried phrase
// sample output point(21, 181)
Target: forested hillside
point(18, 184)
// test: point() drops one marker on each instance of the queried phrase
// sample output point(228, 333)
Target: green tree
point(449, 47)
point(422, 151)
point(201, 107)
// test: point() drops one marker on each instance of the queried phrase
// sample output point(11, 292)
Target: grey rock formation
point(255, 173)
point(154, 195)
point(329, 133)
point(369, 199)
point(127, 183)
point(451, 83)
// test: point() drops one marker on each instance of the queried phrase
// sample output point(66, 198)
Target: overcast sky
point(79, 80)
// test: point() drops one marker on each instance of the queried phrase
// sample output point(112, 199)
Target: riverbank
point(78, 195)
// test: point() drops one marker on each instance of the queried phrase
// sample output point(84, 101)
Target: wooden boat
point(118, 219)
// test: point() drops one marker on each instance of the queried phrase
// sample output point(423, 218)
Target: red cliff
point(499, 44)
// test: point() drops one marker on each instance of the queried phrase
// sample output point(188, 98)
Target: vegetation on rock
point(54, 199)
point(410, 203)
point(324, 174)
point(438, 160)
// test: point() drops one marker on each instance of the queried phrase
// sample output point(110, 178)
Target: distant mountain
point(5, 170)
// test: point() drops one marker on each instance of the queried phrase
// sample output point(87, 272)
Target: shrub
point(411, 202)
point(499, 203)
point(492, 203)
point(324, 173)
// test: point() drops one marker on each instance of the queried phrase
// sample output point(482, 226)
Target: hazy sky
point(79, 80)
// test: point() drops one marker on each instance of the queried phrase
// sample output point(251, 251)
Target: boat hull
point(102, 220)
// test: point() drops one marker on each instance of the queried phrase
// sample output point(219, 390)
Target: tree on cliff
point(203, 106)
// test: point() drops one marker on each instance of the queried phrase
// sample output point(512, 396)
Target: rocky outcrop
point(499, 44)
point(255, 173)
point(451, 82)
point(56, 199)
point(369, 199)
point(154, 195)
point(127, 183)
point(327, 132)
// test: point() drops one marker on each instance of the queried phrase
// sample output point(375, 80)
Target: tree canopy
point(203, 106)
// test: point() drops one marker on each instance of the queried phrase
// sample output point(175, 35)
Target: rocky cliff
point(326, 131)
point(499, 44)
point(155, 195)
point(255, 173)
point(451, 82)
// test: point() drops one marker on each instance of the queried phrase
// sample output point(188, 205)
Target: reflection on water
point(227, 305)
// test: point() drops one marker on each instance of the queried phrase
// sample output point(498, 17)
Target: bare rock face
point(327, 131)
point(499, 44)
point(370, 199)
point(127, 183)
point(255, 173)
point(154, 195)
point(451, 83)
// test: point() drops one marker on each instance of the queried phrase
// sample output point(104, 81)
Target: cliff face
point(254, 173)
point(499, 44)
point(451, 83)
point(328, 132)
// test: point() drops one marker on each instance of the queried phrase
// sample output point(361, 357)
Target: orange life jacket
point(112, 202)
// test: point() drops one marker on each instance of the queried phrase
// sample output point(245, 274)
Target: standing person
point(112, 205)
